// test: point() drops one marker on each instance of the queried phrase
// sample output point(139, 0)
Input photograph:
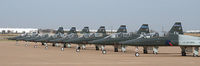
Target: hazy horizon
point(95, 13)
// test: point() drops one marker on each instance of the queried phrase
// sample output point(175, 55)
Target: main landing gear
point(155, 49)
point(78, 48)
point(137, 52)
point(17, 44)
point(195, 51)
point(103, 49)
point(97, 47)
point(116, 48)
point(26, 44)
point(183, 51)
point(43, 44)
point(145, 50)
point(54, 44)
point(123, 48)
point(83, 46)
point(64, 45)
point(68, 45)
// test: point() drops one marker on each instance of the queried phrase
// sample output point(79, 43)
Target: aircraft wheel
point(103, 51)
point(97, 48)
point(64, 45)
point(183, 54)
point(115, 49)
point(42, 44)
point(145, 51)
point(53, 45)
point(26, 45)
point(35, 46)
point(195, 55)
point(62, 49)
point(137, 54)
point(46, 47)
point(155, 53)
point(77, 50)
point(17, 43)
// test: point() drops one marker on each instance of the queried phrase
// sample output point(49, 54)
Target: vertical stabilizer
point(85, 30)
point(60, 30)
point(72, 30)
point(143, 29)
point(101, 30)
point(122, 29)
point(176, 29)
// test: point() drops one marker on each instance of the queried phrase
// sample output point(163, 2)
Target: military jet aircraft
point(40, 36)
point(44, 40)
point(20, 36)
point(174, 37)
point(33, 39)
point(17, 37)
point(26, 37)
point(85, 32)
point(87, 36)
point(23, 36)
point(121, 35)
point(70, 35)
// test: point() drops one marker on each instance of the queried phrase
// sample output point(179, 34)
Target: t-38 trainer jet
point(83, 40)
point(174, 37)
point(120, 35)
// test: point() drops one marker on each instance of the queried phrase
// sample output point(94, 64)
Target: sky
point(159, 14)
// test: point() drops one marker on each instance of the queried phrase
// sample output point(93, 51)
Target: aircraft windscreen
point(86, 35)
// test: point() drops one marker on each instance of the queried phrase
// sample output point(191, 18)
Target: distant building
point(17, 30)
point(31, 30)
point(192, 31)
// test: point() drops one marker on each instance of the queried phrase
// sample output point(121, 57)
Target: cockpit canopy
point(119, 35)
point(72, 35)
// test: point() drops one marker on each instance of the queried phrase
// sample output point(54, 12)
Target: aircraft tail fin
point(60, 30)
point(176, 29)
point(85, 30)
point(143, 29)
point(101, 30)
point(72, 30)
point(122, 29)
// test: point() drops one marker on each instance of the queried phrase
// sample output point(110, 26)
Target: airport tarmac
point(12, 55)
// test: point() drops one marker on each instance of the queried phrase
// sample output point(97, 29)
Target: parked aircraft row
point(120, 40)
